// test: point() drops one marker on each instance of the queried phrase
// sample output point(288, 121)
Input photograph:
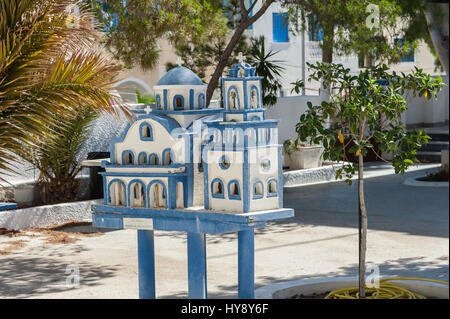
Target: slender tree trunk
point(223, 61)
point(327, 44)
point(362, 228)
point(243, 25)
point(327, 57)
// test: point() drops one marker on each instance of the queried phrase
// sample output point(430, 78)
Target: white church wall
point(161, 140)
point(258, 172)
point(234, 172)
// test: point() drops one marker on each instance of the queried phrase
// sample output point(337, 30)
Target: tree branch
point(261, 11)
point(252, 6)
point(243, 25)
point(244, 12)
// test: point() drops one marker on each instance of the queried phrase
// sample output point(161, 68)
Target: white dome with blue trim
point(180, 76)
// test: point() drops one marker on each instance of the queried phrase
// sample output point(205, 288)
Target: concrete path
point(408, 236)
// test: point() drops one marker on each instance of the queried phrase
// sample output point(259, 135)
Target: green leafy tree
point(134, 28)
point(246, 17)
point(268, 68)
point(204, 57)
point(49, 67)
point(356, 26)
point(364, 107)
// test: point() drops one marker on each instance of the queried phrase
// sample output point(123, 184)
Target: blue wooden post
point(246, 264)
point(196, 247)
point(146, 262)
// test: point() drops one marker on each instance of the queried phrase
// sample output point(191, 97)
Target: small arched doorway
point(116, 193)
point(180, 199)
point(137, 196)
point(157, 195)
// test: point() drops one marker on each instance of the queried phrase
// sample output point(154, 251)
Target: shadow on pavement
point(391, 206)
point(36, 276)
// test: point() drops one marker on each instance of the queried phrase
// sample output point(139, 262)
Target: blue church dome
point(180, 76)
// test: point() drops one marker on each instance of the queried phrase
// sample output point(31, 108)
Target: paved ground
point(408, 236)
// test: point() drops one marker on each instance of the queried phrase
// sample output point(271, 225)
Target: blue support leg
point(196, 246)
point(246, 264)
point(146, 262)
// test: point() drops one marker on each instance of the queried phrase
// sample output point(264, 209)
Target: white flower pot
point(305, 157)
point(308, 287)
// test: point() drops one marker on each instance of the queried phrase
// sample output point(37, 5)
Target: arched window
point(157, 194)
point(272, 188)
point(127, 158)
point(136, 194)
point(158, 101)
point(258, 190)
point(142, 158)
point(178, 102)
point(153, 159)
point(233, 190)
point(254, 98)
point(168, 157)
point(201, 100)
point(217, 190)
point(179, 189)
point(116, 193)
point(146, 132)
point(233, 98)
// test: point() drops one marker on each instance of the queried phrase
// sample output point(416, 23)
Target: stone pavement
point(408, 236)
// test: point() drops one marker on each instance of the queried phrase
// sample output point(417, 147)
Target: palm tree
point(268, 68)
point(51, 72)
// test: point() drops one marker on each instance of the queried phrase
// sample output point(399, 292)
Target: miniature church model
point(181, 154)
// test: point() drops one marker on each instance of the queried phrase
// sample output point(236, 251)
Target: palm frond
point(48, 67)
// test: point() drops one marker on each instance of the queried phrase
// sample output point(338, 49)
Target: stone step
point(432, 157)
point(434, 146)
point(442, 137)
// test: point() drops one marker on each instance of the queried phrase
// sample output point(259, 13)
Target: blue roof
point(248, 69)
point(180, 76)
point(207, 118)
point(168, 123)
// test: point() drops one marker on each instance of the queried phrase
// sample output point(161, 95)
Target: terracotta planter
point(305, 157)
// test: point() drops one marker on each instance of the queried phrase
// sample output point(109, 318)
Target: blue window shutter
point(408, 57)
point(250, 15)
point(280, 27)
point(320, 34)
point(315, 30)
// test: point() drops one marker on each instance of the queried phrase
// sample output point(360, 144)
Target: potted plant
point(363, 108)
point(301, 155)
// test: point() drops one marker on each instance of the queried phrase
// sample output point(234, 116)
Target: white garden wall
point(421, 112)
point(288, 109)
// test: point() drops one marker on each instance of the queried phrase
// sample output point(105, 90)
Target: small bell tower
point(242, 93)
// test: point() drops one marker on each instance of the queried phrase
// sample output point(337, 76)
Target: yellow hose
point(386, 290)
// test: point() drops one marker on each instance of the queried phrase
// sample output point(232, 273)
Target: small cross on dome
point(148, 109)
point(179, 61)
point(241, 58)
